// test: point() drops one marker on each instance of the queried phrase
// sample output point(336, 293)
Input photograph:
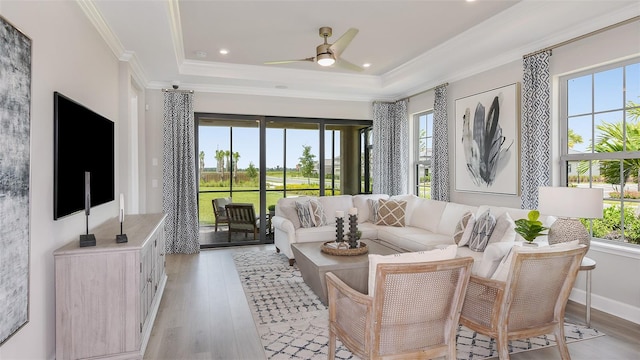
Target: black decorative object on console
point(87, 239)
point(353, 229)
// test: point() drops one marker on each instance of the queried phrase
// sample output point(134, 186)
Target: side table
point(587, 265)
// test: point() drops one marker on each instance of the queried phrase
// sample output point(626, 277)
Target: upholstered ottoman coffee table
point(353, 270)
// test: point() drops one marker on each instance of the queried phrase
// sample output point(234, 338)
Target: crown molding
point(175, 27)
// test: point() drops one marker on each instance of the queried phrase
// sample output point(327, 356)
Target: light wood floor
point(204, 315)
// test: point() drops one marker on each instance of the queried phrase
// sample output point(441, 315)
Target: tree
point(220, 161)
point(236, 157)
point(611, 139)
point(201, 164)
point(227, 154)
point(252, 172)
point(307, 162)
point(573, 139)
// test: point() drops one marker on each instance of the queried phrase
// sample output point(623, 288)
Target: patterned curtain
point(440, 150)
point(390, 148)
point(536, 129)
point(179, 189)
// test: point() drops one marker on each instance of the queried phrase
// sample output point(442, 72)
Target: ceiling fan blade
point(348, 65)
point(312, 59)
point(338, 47)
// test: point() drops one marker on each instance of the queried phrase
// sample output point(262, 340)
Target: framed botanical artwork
point(487, 148)
point(15, 120)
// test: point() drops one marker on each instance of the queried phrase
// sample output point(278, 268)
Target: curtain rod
point(178, 91)
point(595, 32)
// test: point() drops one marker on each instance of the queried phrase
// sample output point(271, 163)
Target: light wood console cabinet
point(107, 296)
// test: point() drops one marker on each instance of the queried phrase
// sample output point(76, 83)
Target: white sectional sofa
point(428, 224)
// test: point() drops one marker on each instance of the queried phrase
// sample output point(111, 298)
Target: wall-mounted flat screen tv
point(83, 141)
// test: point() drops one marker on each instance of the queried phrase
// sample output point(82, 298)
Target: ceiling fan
point(329, 54)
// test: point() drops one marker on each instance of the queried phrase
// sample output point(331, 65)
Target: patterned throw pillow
point(317, 213)
point(391, 212)
point(462, 224)
point(304, 214)
point(373, 210)
point(482, 230)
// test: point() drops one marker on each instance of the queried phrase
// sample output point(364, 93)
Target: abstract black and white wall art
point(15, 109)
point(487, 141)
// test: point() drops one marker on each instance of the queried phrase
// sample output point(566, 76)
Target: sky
point(246, 142)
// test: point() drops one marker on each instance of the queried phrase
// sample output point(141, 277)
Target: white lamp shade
point(570, 202)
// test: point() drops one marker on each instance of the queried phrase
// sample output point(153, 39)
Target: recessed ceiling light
point(224, 51)
point(366, 65)
point(201, 54)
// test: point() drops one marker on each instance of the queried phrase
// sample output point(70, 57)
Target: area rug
point(293, 322)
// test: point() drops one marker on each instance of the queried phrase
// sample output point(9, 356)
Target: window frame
point(566, 158)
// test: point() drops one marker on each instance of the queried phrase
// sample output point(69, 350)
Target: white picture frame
point(487, 147)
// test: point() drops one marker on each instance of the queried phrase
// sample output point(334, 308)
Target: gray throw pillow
point(482, 230)
point(304, 214)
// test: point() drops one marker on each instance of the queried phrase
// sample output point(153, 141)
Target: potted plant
point(530, 228)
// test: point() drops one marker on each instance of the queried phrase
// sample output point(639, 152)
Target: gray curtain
point(179, 189)
point(390, 148)
point(440, 150)
point(535, 152)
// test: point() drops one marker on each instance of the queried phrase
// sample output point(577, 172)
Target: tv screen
point(83, 141)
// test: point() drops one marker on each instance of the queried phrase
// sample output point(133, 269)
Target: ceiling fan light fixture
point(325, 59)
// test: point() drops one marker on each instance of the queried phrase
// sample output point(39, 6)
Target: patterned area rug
point(292, 321)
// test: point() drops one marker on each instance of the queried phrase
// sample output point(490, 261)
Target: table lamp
point(569, 204)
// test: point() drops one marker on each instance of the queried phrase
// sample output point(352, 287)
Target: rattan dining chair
point(413, 313)
point(531, 302)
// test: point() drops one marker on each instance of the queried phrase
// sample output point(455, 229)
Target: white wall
point(67, 56)
point(614, 286)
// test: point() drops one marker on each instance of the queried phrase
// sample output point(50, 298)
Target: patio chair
point(531, 302)
point(219, 210)
point(413, 313)
point(242, 218)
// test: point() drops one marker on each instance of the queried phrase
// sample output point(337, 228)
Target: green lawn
point(206, 207)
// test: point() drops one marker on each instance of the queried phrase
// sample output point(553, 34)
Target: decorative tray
point(344, 249)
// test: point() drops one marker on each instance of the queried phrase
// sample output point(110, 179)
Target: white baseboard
point(613, 307)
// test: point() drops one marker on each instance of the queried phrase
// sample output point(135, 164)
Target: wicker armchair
point(413, 314)
point(530, 303)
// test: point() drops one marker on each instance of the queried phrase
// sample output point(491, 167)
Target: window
point(423, 123)
point(600, 143)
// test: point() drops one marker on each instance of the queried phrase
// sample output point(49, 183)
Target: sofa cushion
point(482, 229)
point(373, 210)
point(412, 200)
point(503, 270)
point(361, 202)
point(451, 215)
point(468, 231)
point(331, 204)
point(426, 214)
point(391, 212)
point(447, 253)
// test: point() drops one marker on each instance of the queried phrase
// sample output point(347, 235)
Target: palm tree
point(220, 160)
point(611, 140)
point(236, 157)
point(227, 154)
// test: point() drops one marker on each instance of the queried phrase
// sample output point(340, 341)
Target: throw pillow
point(505, 229)
point(373, 210)
point(304, 214)
point(290, 212)
point(317, 213)
point(482, 230)
point(391, 212)
point(461, 226)
point(468, 230)
point(446, 253)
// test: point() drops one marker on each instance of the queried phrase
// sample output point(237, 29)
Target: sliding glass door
point(258, 160)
